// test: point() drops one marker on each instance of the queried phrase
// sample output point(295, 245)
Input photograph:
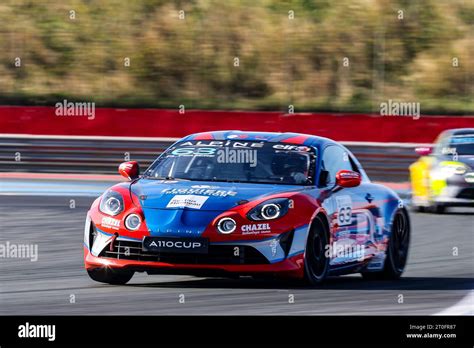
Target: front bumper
point(457, 190)
point(291, 267)
point(281, 254)
point(455, 194)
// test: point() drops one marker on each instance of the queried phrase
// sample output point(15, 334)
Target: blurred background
point(164, 69)
point(233, 64)
point(318, 55)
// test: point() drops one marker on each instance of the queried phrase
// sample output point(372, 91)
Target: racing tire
point(110, 276)
point(316, 262)
point(438, 209)
point(418, 208)
point(397, 251)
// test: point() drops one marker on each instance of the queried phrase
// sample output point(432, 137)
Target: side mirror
point(129, 170)
point(424, 151)
point(348, 178)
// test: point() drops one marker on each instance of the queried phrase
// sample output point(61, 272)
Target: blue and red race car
point(233, 203)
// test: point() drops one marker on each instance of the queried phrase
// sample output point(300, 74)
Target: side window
point(441, 144)
point(354, 166)
point(334, 159)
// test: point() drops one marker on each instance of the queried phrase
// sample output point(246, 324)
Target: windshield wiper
point(225, 180)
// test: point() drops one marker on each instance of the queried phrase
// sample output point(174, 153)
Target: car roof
point(287, 137)
point(458, 131)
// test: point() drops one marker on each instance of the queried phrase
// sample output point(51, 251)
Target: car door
point(349, 209)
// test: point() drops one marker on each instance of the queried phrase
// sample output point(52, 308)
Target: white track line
point(464, 307)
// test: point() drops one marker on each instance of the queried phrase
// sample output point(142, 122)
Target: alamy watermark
point(66, 108)
point(394, 108)
point(19, 251)
point(348, 251)
point(228, 155)
point(28, 330)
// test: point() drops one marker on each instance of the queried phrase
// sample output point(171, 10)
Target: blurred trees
point(345, 55)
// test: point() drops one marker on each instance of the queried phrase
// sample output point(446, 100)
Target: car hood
point(187, 207)
point(200, 195)
point(466, 159)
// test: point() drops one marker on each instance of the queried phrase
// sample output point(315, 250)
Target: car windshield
point(460, 144)
point(236, 161)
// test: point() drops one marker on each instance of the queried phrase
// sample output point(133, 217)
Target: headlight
point(226, 225)
point(269, 210)
point(447, 169)
point(111, 203)
point(132, 222)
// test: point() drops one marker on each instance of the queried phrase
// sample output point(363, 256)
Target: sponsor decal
point(255, 228)
point(178, 231)
point(187, 201)
point(349, 175)
point(273, 246)
point(292, 147)
point(110, 222)
point(217, 143)
point(192, 151)
point(199, 191)
point(204, 187)
point(447, 150)
point(178, 244)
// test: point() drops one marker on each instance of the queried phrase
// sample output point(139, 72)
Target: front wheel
point(316, 261)
point(110, 276)
point(397, 251)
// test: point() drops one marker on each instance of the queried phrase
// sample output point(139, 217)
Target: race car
point(233, 203)
point(444, 174)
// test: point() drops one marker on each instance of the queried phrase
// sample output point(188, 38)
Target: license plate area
point(182, 245)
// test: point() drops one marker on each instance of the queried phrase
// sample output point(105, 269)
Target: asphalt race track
point(434, 280)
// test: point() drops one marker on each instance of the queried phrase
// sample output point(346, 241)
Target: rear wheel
point(110, 276)
point(397, 251)
point(316, 262)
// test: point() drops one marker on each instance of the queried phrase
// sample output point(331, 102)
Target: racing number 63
point(344, 215)
point(344, 210)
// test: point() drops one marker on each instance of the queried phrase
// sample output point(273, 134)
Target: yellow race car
point(444, 174)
